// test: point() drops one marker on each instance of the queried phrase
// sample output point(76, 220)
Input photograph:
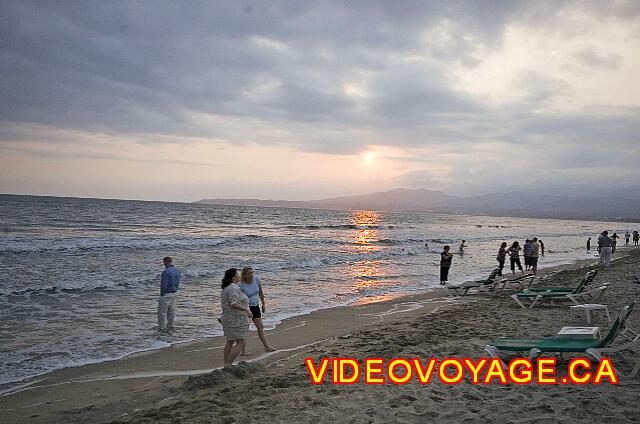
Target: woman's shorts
point(255, 310)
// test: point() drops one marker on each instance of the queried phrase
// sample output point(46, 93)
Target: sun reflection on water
point(367, 273)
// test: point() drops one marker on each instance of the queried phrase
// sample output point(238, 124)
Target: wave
point(306, 264)
point(23, 245)
point(313, 263)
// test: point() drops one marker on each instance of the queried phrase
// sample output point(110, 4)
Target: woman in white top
point(251, 285)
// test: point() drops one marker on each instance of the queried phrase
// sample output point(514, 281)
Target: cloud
point(591, 58)
point(327, 77)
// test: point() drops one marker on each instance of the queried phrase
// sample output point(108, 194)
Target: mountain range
point(519, 204)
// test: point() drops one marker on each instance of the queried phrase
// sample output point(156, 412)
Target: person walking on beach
point(514, 256)
point(169, 283)
point(589, 245)
point(251, 285)
point(526, 252)
point(235, 315)
point(502, 254)
point(614, 242)
point(636, 237)
point(445, 264)
point(533, 255)
point(605, 249)
point(627, 236)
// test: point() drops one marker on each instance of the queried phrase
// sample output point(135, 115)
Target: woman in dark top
point(445, 264)
point(514, 254)
point(502, 254)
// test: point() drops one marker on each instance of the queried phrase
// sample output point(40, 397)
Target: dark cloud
point(591, 58)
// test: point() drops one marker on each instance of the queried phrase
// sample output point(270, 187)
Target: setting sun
point(369, 157)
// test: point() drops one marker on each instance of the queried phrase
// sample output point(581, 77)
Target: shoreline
point(38, 399)
point(388, 297)
point(162, 371)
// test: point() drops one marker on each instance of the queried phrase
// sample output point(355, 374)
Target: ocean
point(80, 277)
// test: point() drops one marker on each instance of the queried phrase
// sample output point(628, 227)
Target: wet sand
point(179, 384)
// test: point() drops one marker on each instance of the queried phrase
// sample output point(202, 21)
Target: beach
point(181, 384)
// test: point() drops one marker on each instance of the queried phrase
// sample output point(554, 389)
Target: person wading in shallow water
point(534, 252)
point(169, 283)
point(502, 254)
point(514, 255)
point(461, 248)
point(445, 264)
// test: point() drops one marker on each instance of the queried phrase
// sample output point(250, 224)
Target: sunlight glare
point(369, 157)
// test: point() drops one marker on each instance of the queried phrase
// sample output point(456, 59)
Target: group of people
point(531, 251)
point(607, 244)
point(242, 299)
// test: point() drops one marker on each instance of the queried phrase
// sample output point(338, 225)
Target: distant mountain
point(499, 204)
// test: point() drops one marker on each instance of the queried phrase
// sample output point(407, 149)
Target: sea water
point(80, 277)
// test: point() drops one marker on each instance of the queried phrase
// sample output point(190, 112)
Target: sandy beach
point(183, 384)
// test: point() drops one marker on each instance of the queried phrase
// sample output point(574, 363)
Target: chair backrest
point(618, 325)
point(586, 280)
point(590, 276)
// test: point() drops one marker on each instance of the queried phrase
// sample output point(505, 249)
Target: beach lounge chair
point(540, 296)
point(555, 293)
point(463, 289)
point(562, 344)
point(586, 280)
point(601, 352)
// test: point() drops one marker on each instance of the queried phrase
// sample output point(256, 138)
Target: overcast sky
point(310, 99)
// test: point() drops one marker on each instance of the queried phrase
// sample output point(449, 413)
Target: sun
point(369, 157)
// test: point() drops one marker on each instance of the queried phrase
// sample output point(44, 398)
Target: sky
point(302, 100)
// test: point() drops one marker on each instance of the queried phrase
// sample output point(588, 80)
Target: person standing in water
point(614, 242)
point(600, 243)
point(627, 236)
point(502, 254)
point(514, 255)
point(251, 285)
point(445, 264)
point(169, 282)
point(589, 245)
point(526, 252)
point(541, 248)
point(461, 248)
point(533, 255)
point(636, 237)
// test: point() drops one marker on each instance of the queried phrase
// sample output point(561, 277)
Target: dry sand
point(156, 387)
